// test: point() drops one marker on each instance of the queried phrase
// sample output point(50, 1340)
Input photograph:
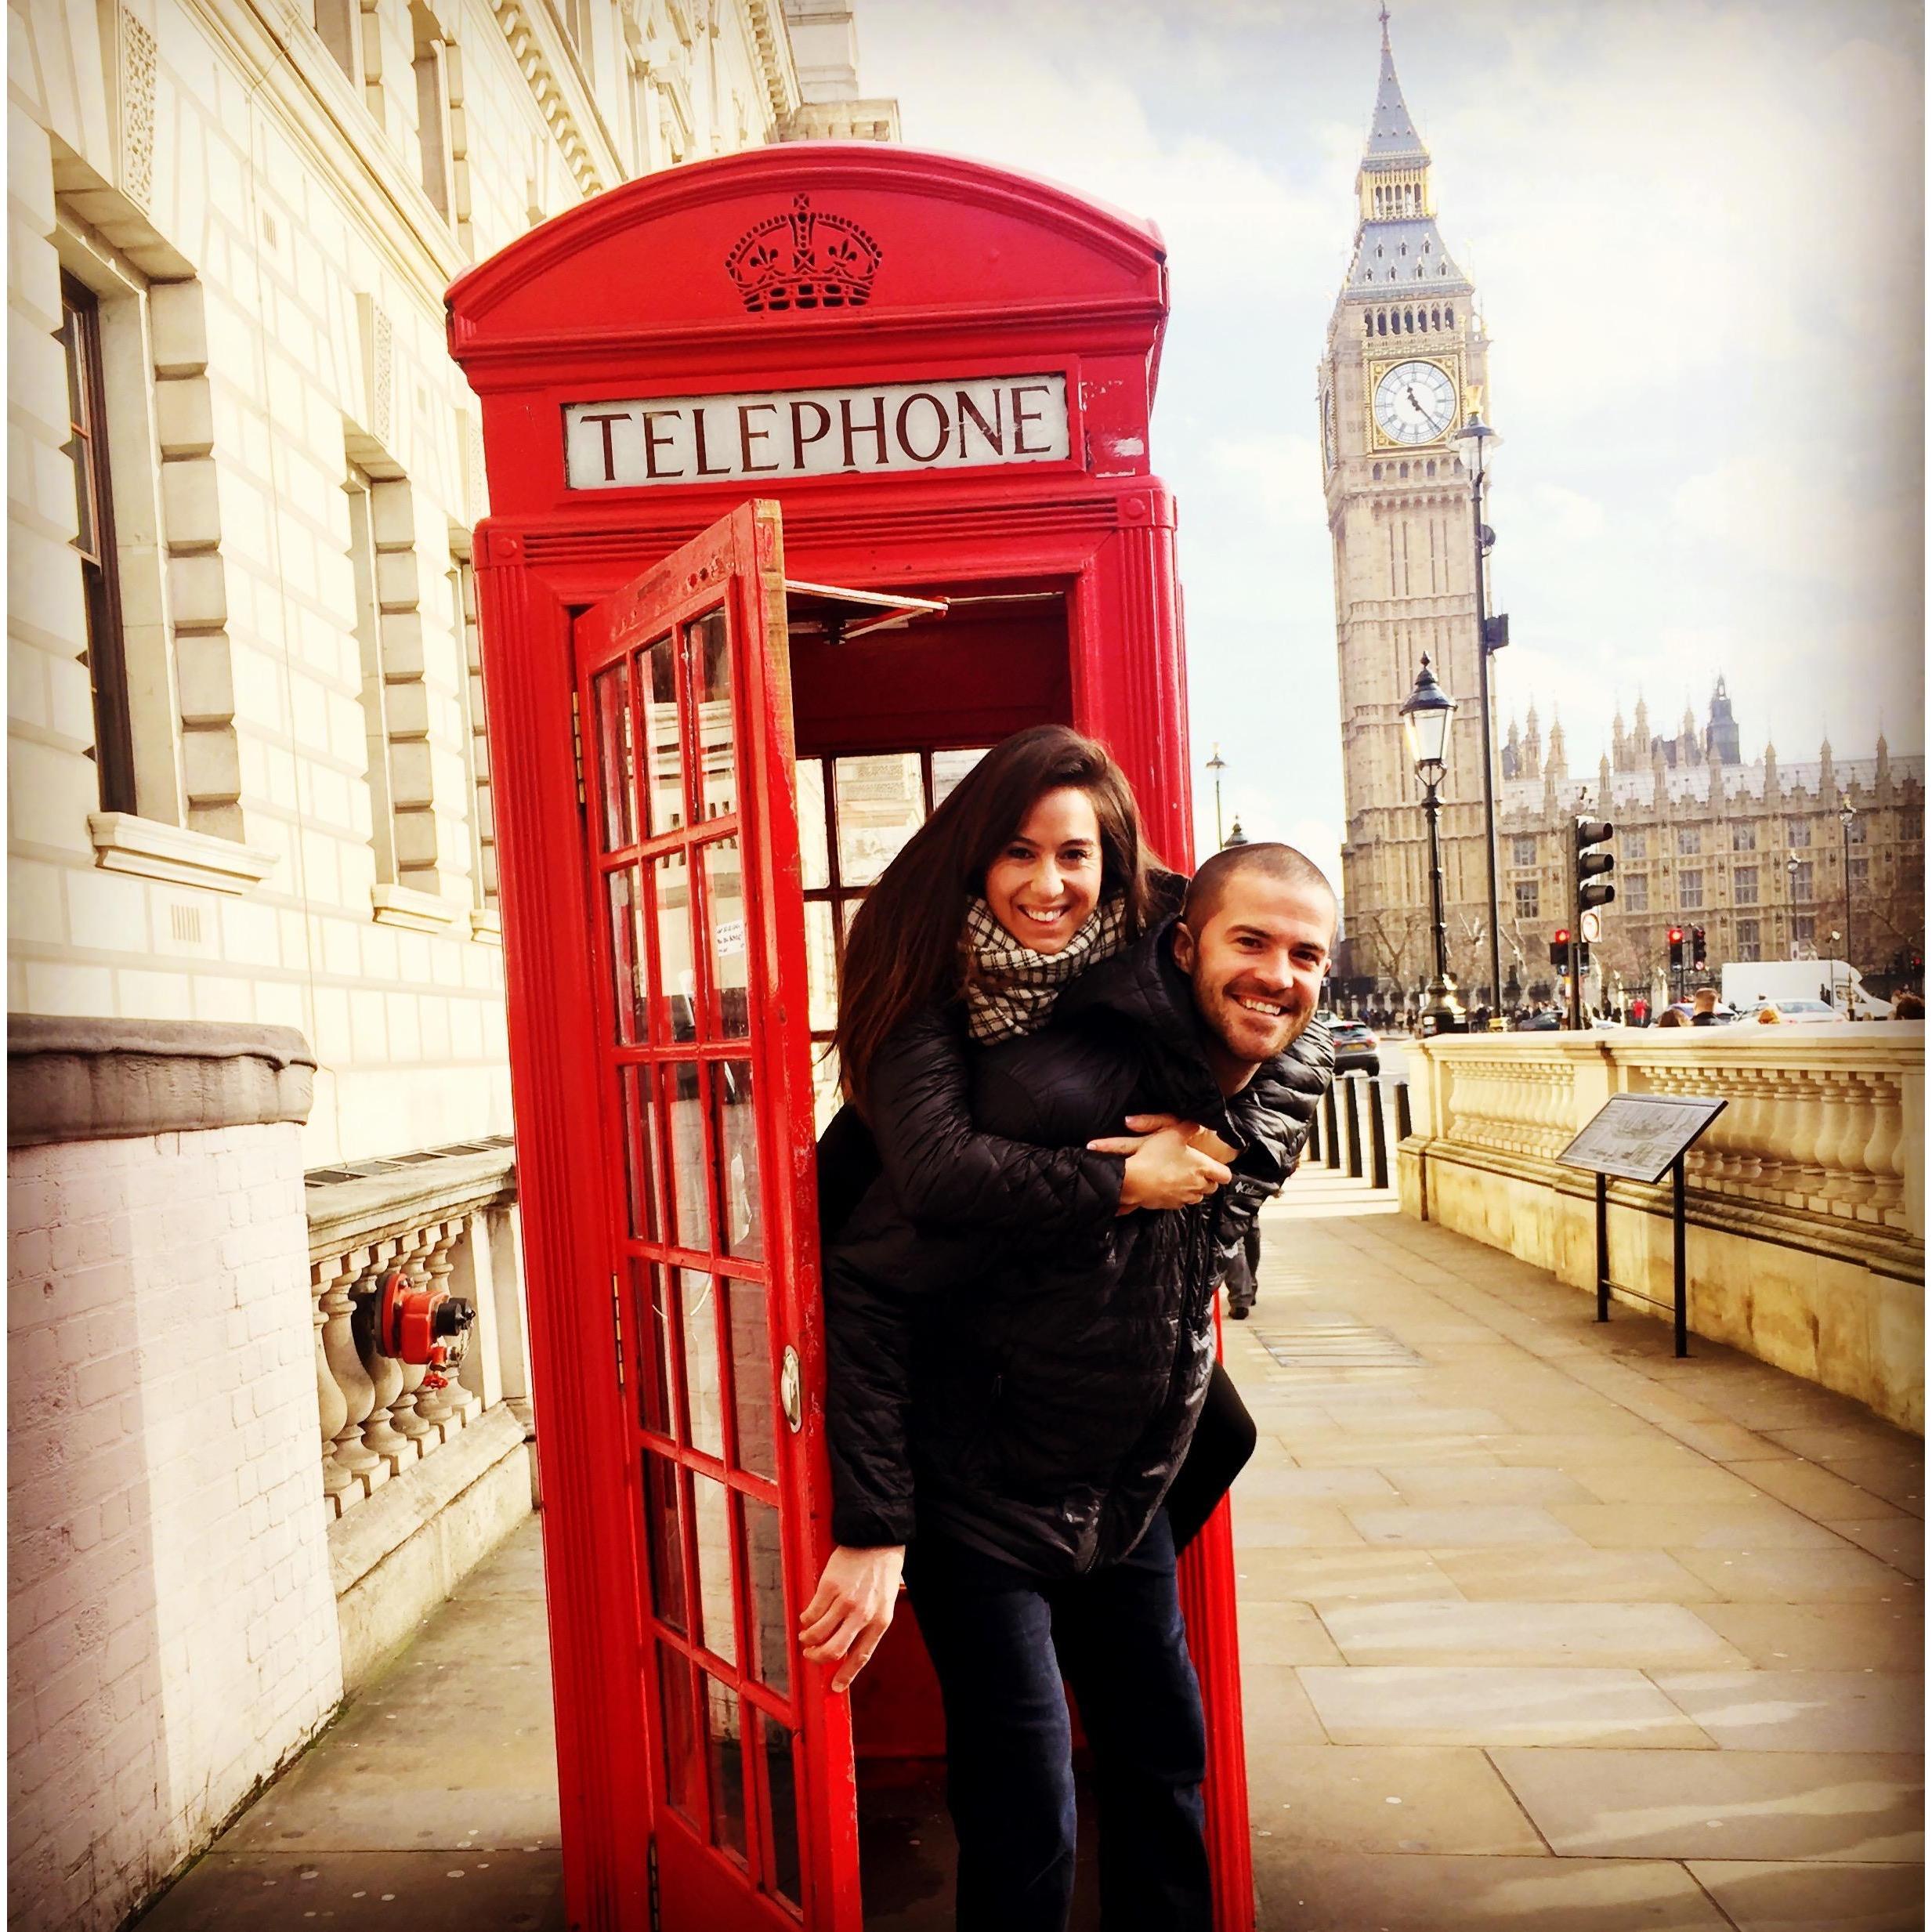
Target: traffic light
point(1699, 955)
point(1560, 948)
point(1676, 936)
point(1592, 887)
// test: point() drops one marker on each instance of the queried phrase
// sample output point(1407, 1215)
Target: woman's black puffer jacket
point(1031, 1391)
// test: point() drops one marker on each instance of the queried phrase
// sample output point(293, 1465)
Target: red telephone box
point(814, 471)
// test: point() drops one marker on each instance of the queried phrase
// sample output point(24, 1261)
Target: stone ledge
point(102, 1079)
point(354, 1206)
point(123, 842)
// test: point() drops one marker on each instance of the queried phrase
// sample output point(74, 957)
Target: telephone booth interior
point(814, 471)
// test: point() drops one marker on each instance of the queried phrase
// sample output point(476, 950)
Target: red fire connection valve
point(425, 1325)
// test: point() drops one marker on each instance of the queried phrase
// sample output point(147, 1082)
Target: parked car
point(1539, 1023)
point(1357, 1050)
point(1801, 1012)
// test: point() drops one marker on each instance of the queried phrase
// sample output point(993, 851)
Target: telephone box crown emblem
point(803, 260)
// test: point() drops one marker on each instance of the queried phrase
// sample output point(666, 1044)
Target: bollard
point(1403, 1129)
point(1378, 1136)
point(1331, 1153)
point(1353, 1083)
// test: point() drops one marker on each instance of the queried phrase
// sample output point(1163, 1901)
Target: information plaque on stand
point(1642, 1137)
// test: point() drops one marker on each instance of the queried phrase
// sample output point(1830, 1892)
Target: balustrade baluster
point(379, 1433)
point(407, 1408)
point(440, 1397)
point(331, 1402)
point(351, 1380)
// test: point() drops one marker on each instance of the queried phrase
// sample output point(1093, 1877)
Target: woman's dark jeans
point(1001, 1639)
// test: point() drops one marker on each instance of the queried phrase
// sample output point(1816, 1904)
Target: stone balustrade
point(445, 1216)
point(1806, 1198)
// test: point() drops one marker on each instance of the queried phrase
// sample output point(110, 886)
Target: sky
point(1696, 232)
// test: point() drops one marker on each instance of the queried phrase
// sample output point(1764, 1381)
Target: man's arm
point(944, 1170)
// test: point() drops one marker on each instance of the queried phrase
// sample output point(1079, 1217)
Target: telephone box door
point(684, 700)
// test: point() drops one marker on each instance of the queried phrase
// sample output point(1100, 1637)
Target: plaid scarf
point(1010, 988)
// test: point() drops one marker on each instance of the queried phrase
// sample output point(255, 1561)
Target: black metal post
point(1378, 1136)
point(1603, 1247)
point(1488, 754)
point(1679, 1289)
point(1331, 1151)
point(1353, 1083)
point(1402, 1126)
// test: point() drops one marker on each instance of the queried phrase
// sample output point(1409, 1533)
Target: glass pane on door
point(717, 748)
point(662, 742)
point(730, 942)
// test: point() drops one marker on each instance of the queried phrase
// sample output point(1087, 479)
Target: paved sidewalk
point(1541, 1631)
point(430, 1806)
point(1542, 1628)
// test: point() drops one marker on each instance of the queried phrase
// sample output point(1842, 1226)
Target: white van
point(1748, 984)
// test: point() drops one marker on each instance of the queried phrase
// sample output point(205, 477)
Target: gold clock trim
point(1376, 368)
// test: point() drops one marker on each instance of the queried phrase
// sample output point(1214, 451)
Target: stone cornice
point(556, 83)
point(100, 1079)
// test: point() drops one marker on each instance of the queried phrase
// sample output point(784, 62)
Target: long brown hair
point(904, 950)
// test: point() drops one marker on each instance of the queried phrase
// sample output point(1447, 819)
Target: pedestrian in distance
point(1019, 1338)
point(1768, 1015)
point(1704, 1007)
point(1908, 1006)
point(1673, 1016)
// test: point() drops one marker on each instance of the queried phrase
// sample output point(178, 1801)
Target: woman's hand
point(1168, 1164)
point(852, 1608)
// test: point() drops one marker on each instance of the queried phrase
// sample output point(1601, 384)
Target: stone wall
point(170, 1613)
point(1805, 1199)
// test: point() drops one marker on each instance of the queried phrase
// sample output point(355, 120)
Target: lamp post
point(1217, 764)
point(1479, 436)
point(1848, 817)
point(1426, 716)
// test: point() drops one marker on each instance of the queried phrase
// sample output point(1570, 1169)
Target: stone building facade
point(1753, 853)
point(250, 829)
point(1757, 853)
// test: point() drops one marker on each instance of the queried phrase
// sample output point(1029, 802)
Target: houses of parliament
point(1758, 852)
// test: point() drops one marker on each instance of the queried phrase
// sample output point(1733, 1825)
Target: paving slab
point(1886, 1637)
point(1835, 1806)
point(1772, 1897)
point(1825, 1495)
point(1321, 1576)
point(1387, 1798)
point(1462, 1704)
point(1899, 1541)
point(1842, 1575)
point(1643, 1636)
point(1572, 1574)
point(1358, 1891)
point(1464, 1526)
point(1668, 1524)
point(1435, 1485)
point(1801, 1710)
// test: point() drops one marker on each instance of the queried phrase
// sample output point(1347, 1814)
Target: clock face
point(1415, 402)
point(1328, 430)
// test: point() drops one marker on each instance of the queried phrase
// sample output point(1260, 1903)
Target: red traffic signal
point(1676, 937)
point(1560, 948)
point(1699, 955)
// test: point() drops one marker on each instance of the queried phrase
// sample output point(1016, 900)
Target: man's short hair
point(1209, 885)
point(1705, 999)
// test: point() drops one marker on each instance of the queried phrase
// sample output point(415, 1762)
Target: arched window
point(1378, 472)
point(1432, 466)
point(1378, 252)
point(1368, 323)
point(1435, 318)
point(1403, 249)
point(1381, 322)
point(1404, 473)
point(1449, 318)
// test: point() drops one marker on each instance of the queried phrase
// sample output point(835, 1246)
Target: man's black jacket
point(1010, 1362)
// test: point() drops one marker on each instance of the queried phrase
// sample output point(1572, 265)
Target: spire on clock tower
point(1398, 249)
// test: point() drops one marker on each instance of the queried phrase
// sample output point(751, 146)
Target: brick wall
point(171, 1630)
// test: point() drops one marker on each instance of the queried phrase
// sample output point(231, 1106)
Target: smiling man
point(1010, 1417)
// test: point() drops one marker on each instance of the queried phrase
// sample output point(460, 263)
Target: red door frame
point(996, 273)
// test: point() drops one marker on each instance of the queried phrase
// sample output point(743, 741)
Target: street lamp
point(1217, 764)
point(1848, 817)
point(1237, 837)
point(1480, 436)
point(1426, 716)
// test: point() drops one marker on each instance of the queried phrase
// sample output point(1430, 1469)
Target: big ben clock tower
point(1404, 369)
